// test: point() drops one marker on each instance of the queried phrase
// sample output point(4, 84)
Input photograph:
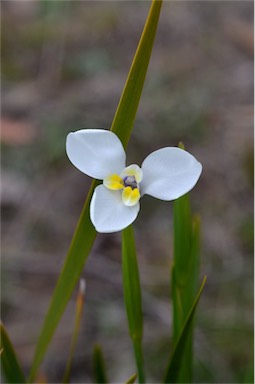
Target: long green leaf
point(125, 115)
point(173, 368)
point(180, 271)
point(195, 254)
point(182, 280)
point(85, 233)
point(99, 366)
point(132, 296)
point(79, 250)
point(185, 274)
point(10, 365)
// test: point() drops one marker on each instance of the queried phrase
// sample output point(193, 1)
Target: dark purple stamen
point(130, 181)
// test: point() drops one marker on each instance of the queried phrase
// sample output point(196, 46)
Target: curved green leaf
point(85, 233)
point(173, 368)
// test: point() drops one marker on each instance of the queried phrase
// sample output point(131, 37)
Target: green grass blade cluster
point(174, 367)
point(133, 297)
point(99, 365)
point(85, 233)
point(9, 363)
point(185, 273)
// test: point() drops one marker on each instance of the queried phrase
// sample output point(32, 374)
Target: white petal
point(169, 173)
point(95, 152)
point(108, 213)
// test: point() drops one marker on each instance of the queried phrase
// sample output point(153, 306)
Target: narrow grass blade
point(99, 365)
point(177, 356)
point(180, 272)
point(195, 254)
point(185, 273)
point(182, 279)
point(132, 296)
point(78, 315)
point(85, 233)
point(125, 115)
point(10, 366)
point(79, 250)
point(184, 285)
point(132, 379)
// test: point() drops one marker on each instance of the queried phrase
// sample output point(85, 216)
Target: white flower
point(166, 174)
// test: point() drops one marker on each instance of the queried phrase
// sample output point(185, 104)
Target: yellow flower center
point(128, 182)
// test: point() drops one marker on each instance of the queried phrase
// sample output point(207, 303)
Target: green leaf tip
point(10, 365)
point(132, 379)
point(173, 368)
point(99, 365)
point(181, 145)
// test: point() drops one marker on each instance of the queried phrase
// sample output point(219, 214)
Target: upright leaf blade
point(180, 272)
point(182, 279)
point(174, 366)
point(132, 296)
point(79, 250)
point(10, 365)
point(85, 233)
point(195, 254)
point(99, 365)
point(125, 115)
point(185, 273)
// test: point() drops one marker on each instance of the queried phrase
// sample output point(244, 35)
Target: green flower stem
point(139, 359)
point(133, 297)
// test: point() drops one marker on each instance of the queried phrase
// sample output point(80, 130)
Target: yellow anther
point(113, 182)
point(130, 196)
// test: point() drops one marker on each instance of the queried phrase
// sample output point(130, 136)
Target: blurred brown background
point(64, 64)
